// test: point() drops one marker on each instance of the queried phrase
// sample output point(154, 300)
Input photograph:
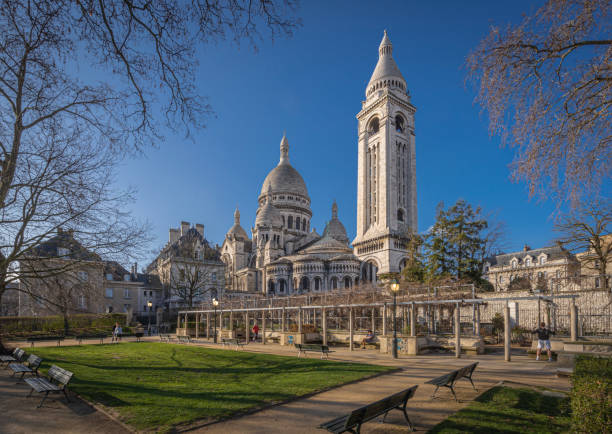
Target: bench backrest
point(19, 354)
point(445, 379)
point(16, 351)
point(375, 409)
point(466, 371)
point(34, 362)
point(60, 375)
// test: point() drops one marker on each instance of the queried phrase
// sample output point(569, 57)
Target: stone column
point(351, 329)
point(457, 332)
point(324, 325)
point(573, 321)
point(231, 320)
point(247, 329)
point(207, 325)
point(384, 319)
point(300, 320)
point(477, 329)
point(263, 327)
point(283, 320)
point(412, 320)
point(197, 327)
point(373, 320)
point(178, 321)
point(507, 347)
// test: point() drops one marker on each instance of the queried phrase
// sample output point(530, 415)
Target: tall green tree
point(414, 270)
point(457, 242)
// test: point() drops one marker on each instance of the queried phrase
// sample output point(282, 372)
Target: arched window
point(399, 124)
point(400, 215)
point(283, 220)
point(297, 223)
point(304, 284)
point(317, 283)
point(271, 287)
point(528, 262)
point(334, 283)
point(514, 263)
point(290, 222)
point(347, 282)
point(374, 126)
point(281, 285)
point(304, 225)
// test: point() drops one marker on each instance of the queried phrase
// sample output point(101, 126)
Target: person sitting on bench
point(370, 338)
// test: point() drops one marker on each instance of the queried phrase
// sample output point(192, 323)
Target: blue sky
point(311, 86)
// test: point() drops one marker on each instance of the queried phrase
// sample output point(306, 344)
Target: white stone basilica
point(284, 256)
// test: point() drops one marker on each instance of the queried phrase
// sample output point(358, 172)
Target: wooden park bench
point(100, 336)
point(33, 339)
point(449, 380)
point(313, 348)
point(29, 366)
point(232, 341)
point(166, 338)
point(352, 422)
point(17, 356)
point(57, 381)
point(184, 339)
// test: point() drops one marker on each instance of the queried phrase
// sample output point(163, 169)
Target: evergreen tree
point(414, 271)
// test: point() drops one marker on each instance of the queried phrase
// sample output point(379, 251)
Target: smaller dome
point(237, 231)
point(269, 215)
point(335, 229)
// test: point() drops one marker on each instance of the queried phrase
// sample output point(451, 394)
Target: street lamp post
point(394, 290)
point(149, 305)
point(215, 304)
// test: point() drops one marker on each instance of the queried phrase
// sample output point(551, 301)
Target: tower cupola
point(386, 74)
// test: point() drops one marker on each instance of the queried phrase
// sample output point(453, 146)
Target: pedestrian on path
point(543, 340)
point(117, 332)
point(255, 332)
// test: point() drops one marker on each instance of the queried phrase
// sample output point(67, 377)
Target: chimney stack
point(184, 228)
point(526, 248)
point(174, 235)
point(200, 228)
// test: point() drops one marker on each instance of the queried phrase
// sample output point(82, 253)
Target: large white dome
point(284, 178)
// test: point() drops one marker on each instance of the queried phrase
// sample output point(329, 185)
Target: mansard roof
point(552, 253)
point(64, 239)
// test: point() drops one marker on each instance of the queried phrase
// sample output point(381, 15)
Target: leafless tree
point(190, 281)
point(82, 84)
point(589, 229)
point(546, 85)
point(63, 293)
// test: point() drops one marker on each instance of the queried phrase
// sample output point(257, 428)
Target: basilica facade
point(284, 256)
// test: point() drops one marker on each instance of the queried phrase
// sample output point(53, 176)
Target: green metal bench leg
point(433, 395)
point(453, 392)
point(66, 395)
point(43, 400)
point(470, 378)
point(30, 394)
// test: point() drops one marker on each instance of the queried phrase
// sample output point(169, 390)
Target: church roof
point(268, 214)
point(237, 231)
point(335, 228)
point(327, 244)
point(284, 178)
point(386, 66)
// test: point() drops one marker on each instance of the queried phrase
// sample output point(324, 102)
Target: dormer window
point(62, 251)
point(528, 262)
point(109, 276)
point(542, 260)
point(514, 263)
point(126, 277)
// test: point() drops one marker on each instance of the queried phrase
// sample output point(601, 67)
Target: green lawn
point(154, 386)
point(508, 410)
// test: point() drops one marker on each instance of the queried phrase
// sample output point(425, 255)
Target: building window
point(528, 262)
point(400, 215)
point(109, 309)
point(514, 263)
point(597, 282)
point(126, 277)
point(126, 293)
point(542, 260)
point(62, 251)
point(126, 307)
point(596, 263)
point(501, 279)
point(399, 124)
point(83, 276)
point(182, 274)
point(82, 302)
point(374, 126)
point(558, 274)
point(214, 276)
point(297, 223)
point(347, 282)
point(109, 276)
point(109, 293)
point(290, 222)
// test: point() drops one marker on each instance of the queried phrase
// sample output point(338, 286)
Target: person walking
point(543, 340)
point(255, 332)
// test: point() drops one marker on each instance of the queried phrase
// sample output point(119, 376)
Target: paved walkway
point(303, 415)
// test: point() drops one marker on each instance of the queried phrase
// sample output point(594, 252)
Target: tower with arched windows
point(386, 178)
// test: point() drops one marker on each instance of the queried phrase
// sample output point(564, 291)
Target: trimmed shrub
point(591, 396)
point(14, 327)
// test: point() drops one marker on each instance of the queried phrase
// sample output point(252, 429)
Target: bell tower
point(386, 178)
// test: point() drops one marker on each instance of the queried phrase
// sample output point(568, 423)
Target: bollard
point(324, 325)
point(477, 329)
point(384, 319)
point(197, 326)
point(263, 327)
point(207, 325)
point(574, 321)
point(507, 334)
point(351, 329)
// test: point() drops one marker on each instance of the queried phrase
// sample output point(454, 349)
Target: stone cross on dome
point(237, 216)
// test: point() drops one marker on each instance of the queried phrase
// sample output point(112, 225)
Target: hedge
point(20, 326)
point(591, 396)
